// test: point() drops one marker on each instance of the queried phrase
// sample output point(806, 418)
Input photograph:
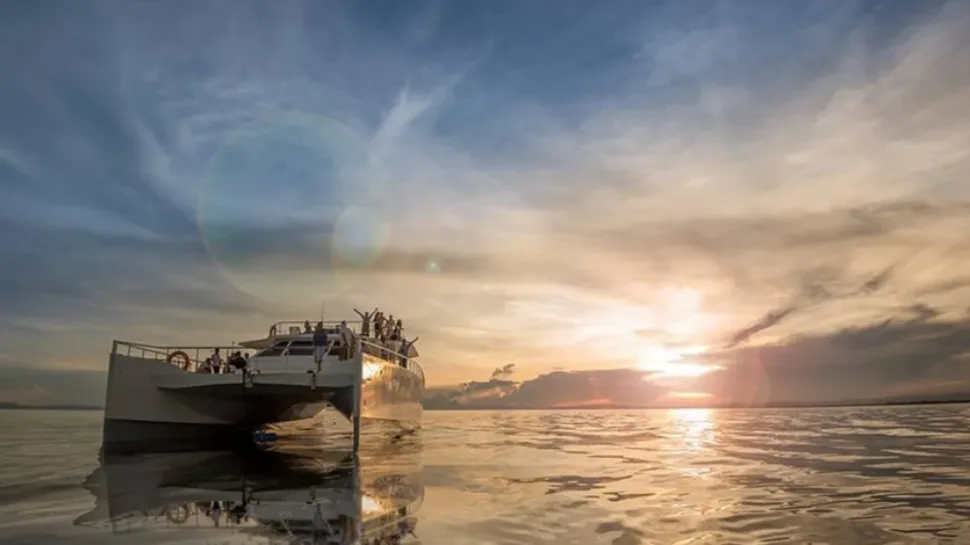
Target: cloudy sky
point(741, 201)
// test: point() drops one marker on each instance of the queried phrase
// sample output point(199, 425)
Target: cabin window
point(275, 350)
point(301, 348)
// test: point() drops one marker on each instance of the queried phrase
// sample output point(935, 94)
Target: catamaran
point(175, 398)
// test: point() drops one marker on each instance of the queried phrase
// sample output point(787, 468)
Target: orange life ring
point(185, 359)
point(179, 516)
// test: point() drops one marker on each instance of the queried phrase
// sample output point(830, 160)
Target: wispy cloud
point(565, 187)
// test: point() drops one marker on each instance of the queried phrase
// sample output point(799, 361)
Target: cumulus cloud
point(504, 371)
point(613, 182)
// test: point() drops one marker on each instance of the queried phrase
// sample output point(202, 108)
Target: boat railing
point(391, 356)
point(195, 354)
point(297, 327)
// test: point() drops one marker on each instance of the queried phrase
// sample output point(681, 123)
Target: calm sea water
point(825, 476)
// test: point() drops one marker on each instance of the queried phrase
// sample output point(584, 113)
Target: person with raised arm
point(378, 323)
point(365, 318)
point(404, 350)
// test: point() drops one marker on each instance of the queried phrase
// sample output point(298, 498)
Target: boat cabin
point(289, 347)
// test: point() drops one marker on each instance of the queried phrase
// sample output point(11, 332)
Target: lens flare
point(359, 236)
point(280, 207)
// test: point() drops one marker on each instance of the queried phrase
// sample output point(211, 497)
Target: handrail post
point(358, 387)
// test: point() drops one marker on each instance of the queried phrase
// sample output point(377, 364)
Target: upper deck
point(288, 347)
point(297, 327)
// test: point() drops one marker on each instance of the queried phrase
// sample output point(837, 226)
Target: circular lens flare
point(359, 236)
point(278, 209)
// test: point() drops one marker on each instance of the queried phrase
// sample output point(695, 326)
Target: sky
point(642, 203)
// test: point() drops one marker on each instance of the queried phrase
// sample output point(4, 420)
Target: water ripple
point(857, 476)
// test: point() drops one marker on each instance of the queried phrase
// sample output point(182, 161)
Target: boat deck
point(373, 351)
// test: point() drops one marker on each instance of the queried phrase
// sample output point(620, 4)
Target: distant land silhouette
point(611, 407)
point(15, 406)
point(436, 405)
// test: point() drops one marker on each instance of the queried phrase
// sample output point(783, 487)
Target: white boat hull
point(154, 405)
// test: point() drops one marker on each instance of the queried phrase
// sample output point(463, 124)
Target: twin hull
point(152, 404)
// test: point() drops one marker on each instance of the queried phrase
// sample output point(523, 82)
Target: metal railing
point(196, 354)
point(188, 516)
point(391, 356)
point(297, 327)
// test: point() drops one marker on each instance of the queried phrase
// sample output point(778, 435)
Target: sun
point(671, 362)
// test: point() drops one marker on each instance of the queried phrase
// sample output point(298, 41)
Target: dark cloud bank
point(908, 358)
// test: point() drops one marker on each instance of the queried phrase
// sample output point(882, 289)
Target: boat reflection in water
point(280, 495)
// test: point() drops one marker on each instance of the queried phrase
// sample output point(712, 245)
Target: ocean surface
point(808, 476)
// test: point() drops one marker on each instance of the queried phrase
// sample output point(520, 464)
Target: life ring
point(179, 516)
point(185, 359)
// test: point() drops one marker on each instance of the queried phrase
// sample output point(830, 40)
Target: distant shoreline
point(734, 406)
point(22, 407)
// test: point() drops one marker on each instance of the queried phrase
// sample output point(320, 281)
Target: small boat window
point(301, 348)
point(275, 350)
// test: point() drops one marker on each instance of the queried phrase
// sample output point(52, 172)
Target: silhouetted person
point(216, 361)
point(319, 343)
point(237, 361)
point(365, 318)
point(405, 350)
point(389, 327)
point(347, 339)
point(205, 366)
point(378, 324)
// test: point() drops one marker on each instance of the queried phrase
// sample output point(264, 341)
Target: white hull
point(154, 405)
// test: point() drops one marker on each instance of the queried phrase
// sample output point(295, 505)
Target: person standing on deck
point(388, 326)
point(319, 343)
point(365, 318)
point(405, 350)
point(216, 361)
point(347, 338)
point(378, 323)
